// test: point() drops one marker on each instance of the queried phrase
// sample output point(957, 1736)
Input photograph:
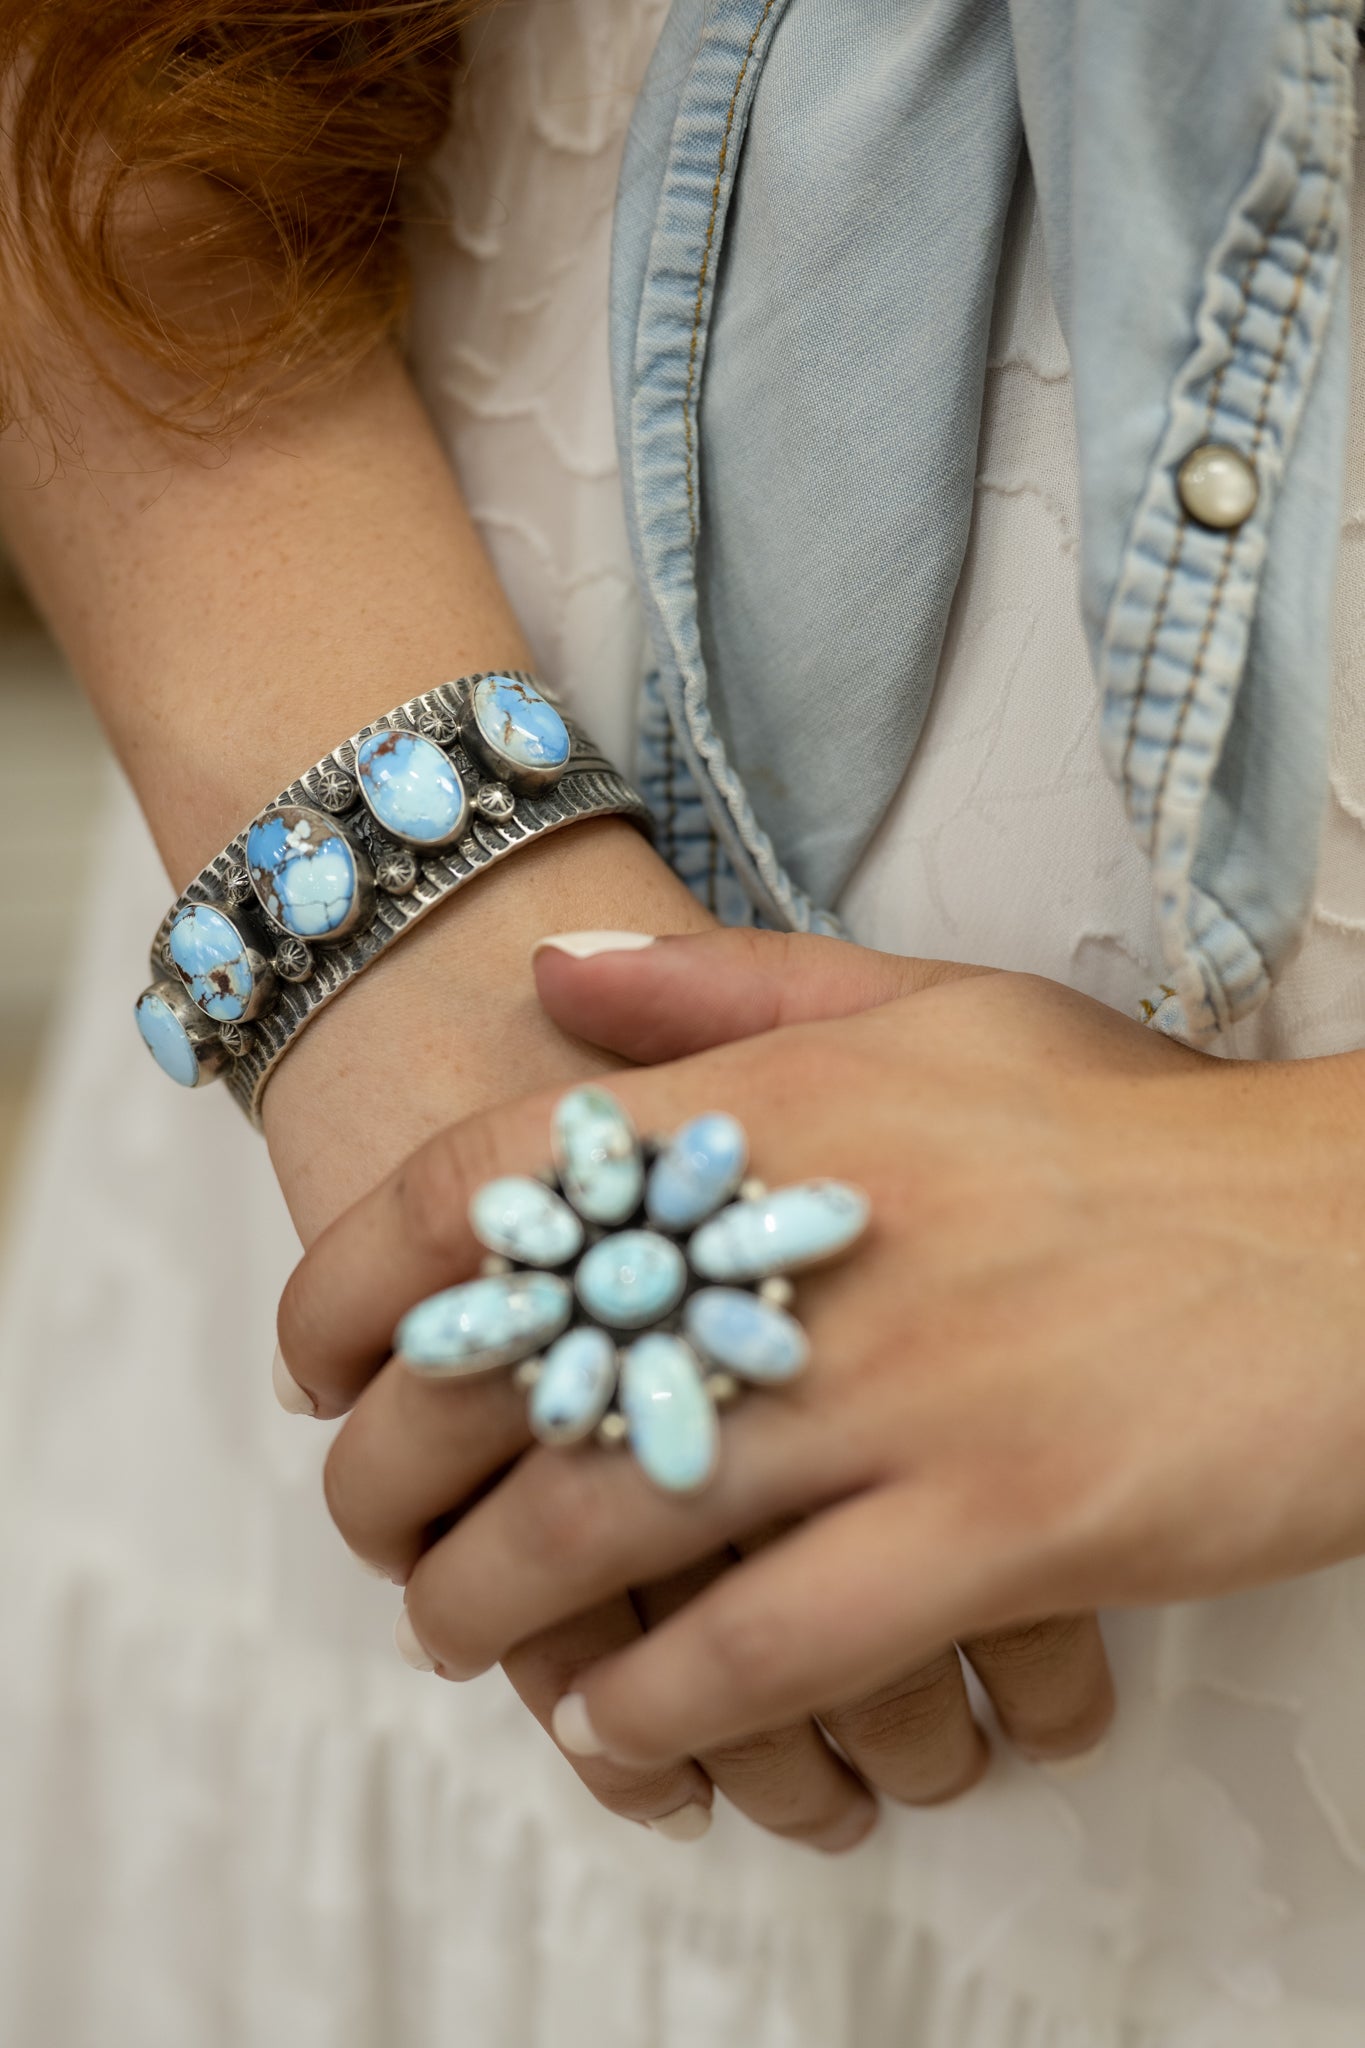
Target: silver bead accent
point(778, 1290)
point(333, 789)
point(494, 801)
point(723, 1388)
point(234, 1039)
point(395, 870)
point(237, 884)
point(752, 1190)
point(527, 1373)
point(293, 960)
point(493, 1265)
point(613, 1429)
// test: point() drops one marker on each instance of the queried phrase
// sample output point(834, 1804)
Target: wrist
point(448, 1022)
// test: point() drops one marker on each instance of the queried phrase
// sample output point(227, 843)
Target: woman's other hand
point(913, 1736)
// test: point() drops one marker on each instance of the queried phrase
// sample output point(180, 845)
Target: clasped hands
point(1100, 1347)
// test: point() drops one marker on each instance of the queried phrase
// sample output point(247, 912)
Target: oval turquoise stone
point(519, 727)
point(303, 870)
point(669, 1414)
point(484, 1323)
point(598, 1155)
point(786, 1230)
point(211, 958)
point(166, 1039)
point(577, 1381)
point(525, 1220)
point(697, 1170)
point(750, 1337)
point(410, 787)
point(631, 1278)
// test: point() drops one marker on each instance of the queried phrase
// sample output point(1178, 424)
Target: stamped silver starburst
point(494, 801)
point(237, 884)
point(234, 1039)
point(293, 960)
point(333, 788)
point(395, 869)
point(434, 724)
point(631, 1292)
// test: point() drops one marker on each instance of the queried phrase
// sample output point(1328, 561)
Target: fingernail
point(572, 1730)
point(406, 1643)
point(848, 1832)
point(1080, 1766)
point(685, 1824)
point(586, 945)
point(288, 1392)
point(373, 1571)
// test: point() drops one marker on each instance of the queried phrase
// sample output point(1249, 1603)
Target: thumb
point(651, 999)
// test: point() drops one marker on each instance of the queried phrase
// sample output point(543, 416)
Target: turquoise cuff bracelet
point(349, 857)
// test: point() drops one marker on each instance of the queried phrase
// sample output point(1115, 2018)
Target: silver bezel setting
point(259, 965)
point(362, 898)
point(210, 1054)
point(391, 832)
point(501, 766)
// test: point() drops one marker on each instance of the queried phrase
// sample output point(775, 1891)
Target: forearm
point(232, 614)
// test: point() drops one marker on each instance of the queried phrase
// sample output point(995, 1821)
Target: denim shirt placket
point(1179, 626)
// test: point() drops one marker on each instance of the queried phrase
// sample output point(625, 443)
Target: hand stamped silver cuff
point(349, 857)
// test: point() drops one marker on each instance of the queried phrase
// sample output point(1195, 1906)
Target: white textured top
point(231, 1817)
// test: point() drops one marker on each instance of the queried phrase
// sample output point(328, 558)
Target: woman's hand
point(914, 1737)
point(1101, 1346)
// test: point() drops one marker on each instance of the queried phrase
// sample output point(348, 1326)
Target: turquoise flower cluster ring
point(346, 859)
point(635, 1288)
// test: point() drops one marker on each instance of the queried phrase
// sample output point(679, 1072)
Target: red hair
point(212, 187)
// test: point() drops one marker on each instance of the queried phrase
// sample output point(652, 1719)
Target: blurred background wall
point(51, 769)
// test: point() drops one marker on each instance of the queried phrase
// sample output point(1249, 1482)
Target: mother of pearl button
point(1217, 486)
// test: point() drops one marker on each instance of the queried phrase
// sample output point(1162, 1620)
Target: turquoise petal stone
point(747, 1335)
point(697, 1170)
point(575, 1387)
point(631, 1278)
point(525, 1220)
point(784, 1231)
point(303, 871)
point(166, 1039)
point(411, 787)
point(669, 1414)
point(598, 1155)
point(483, 1324)
point(211, 958)
point(518, 727)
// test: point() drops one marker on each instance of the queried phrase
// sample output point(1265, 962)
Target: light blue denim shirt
point(809, 227)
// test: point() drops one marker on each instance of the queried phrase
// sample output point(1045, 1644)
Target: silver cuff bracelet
point(349, 857)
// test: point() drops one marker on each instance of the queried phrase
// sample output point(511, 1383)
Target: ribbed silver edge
point(589, 788)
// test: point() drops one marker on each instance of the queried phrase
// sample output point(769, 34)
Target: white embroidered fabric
point(229, 1817)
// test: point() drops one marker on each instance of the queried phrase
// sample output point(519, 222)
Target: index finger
point(408, 1237)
